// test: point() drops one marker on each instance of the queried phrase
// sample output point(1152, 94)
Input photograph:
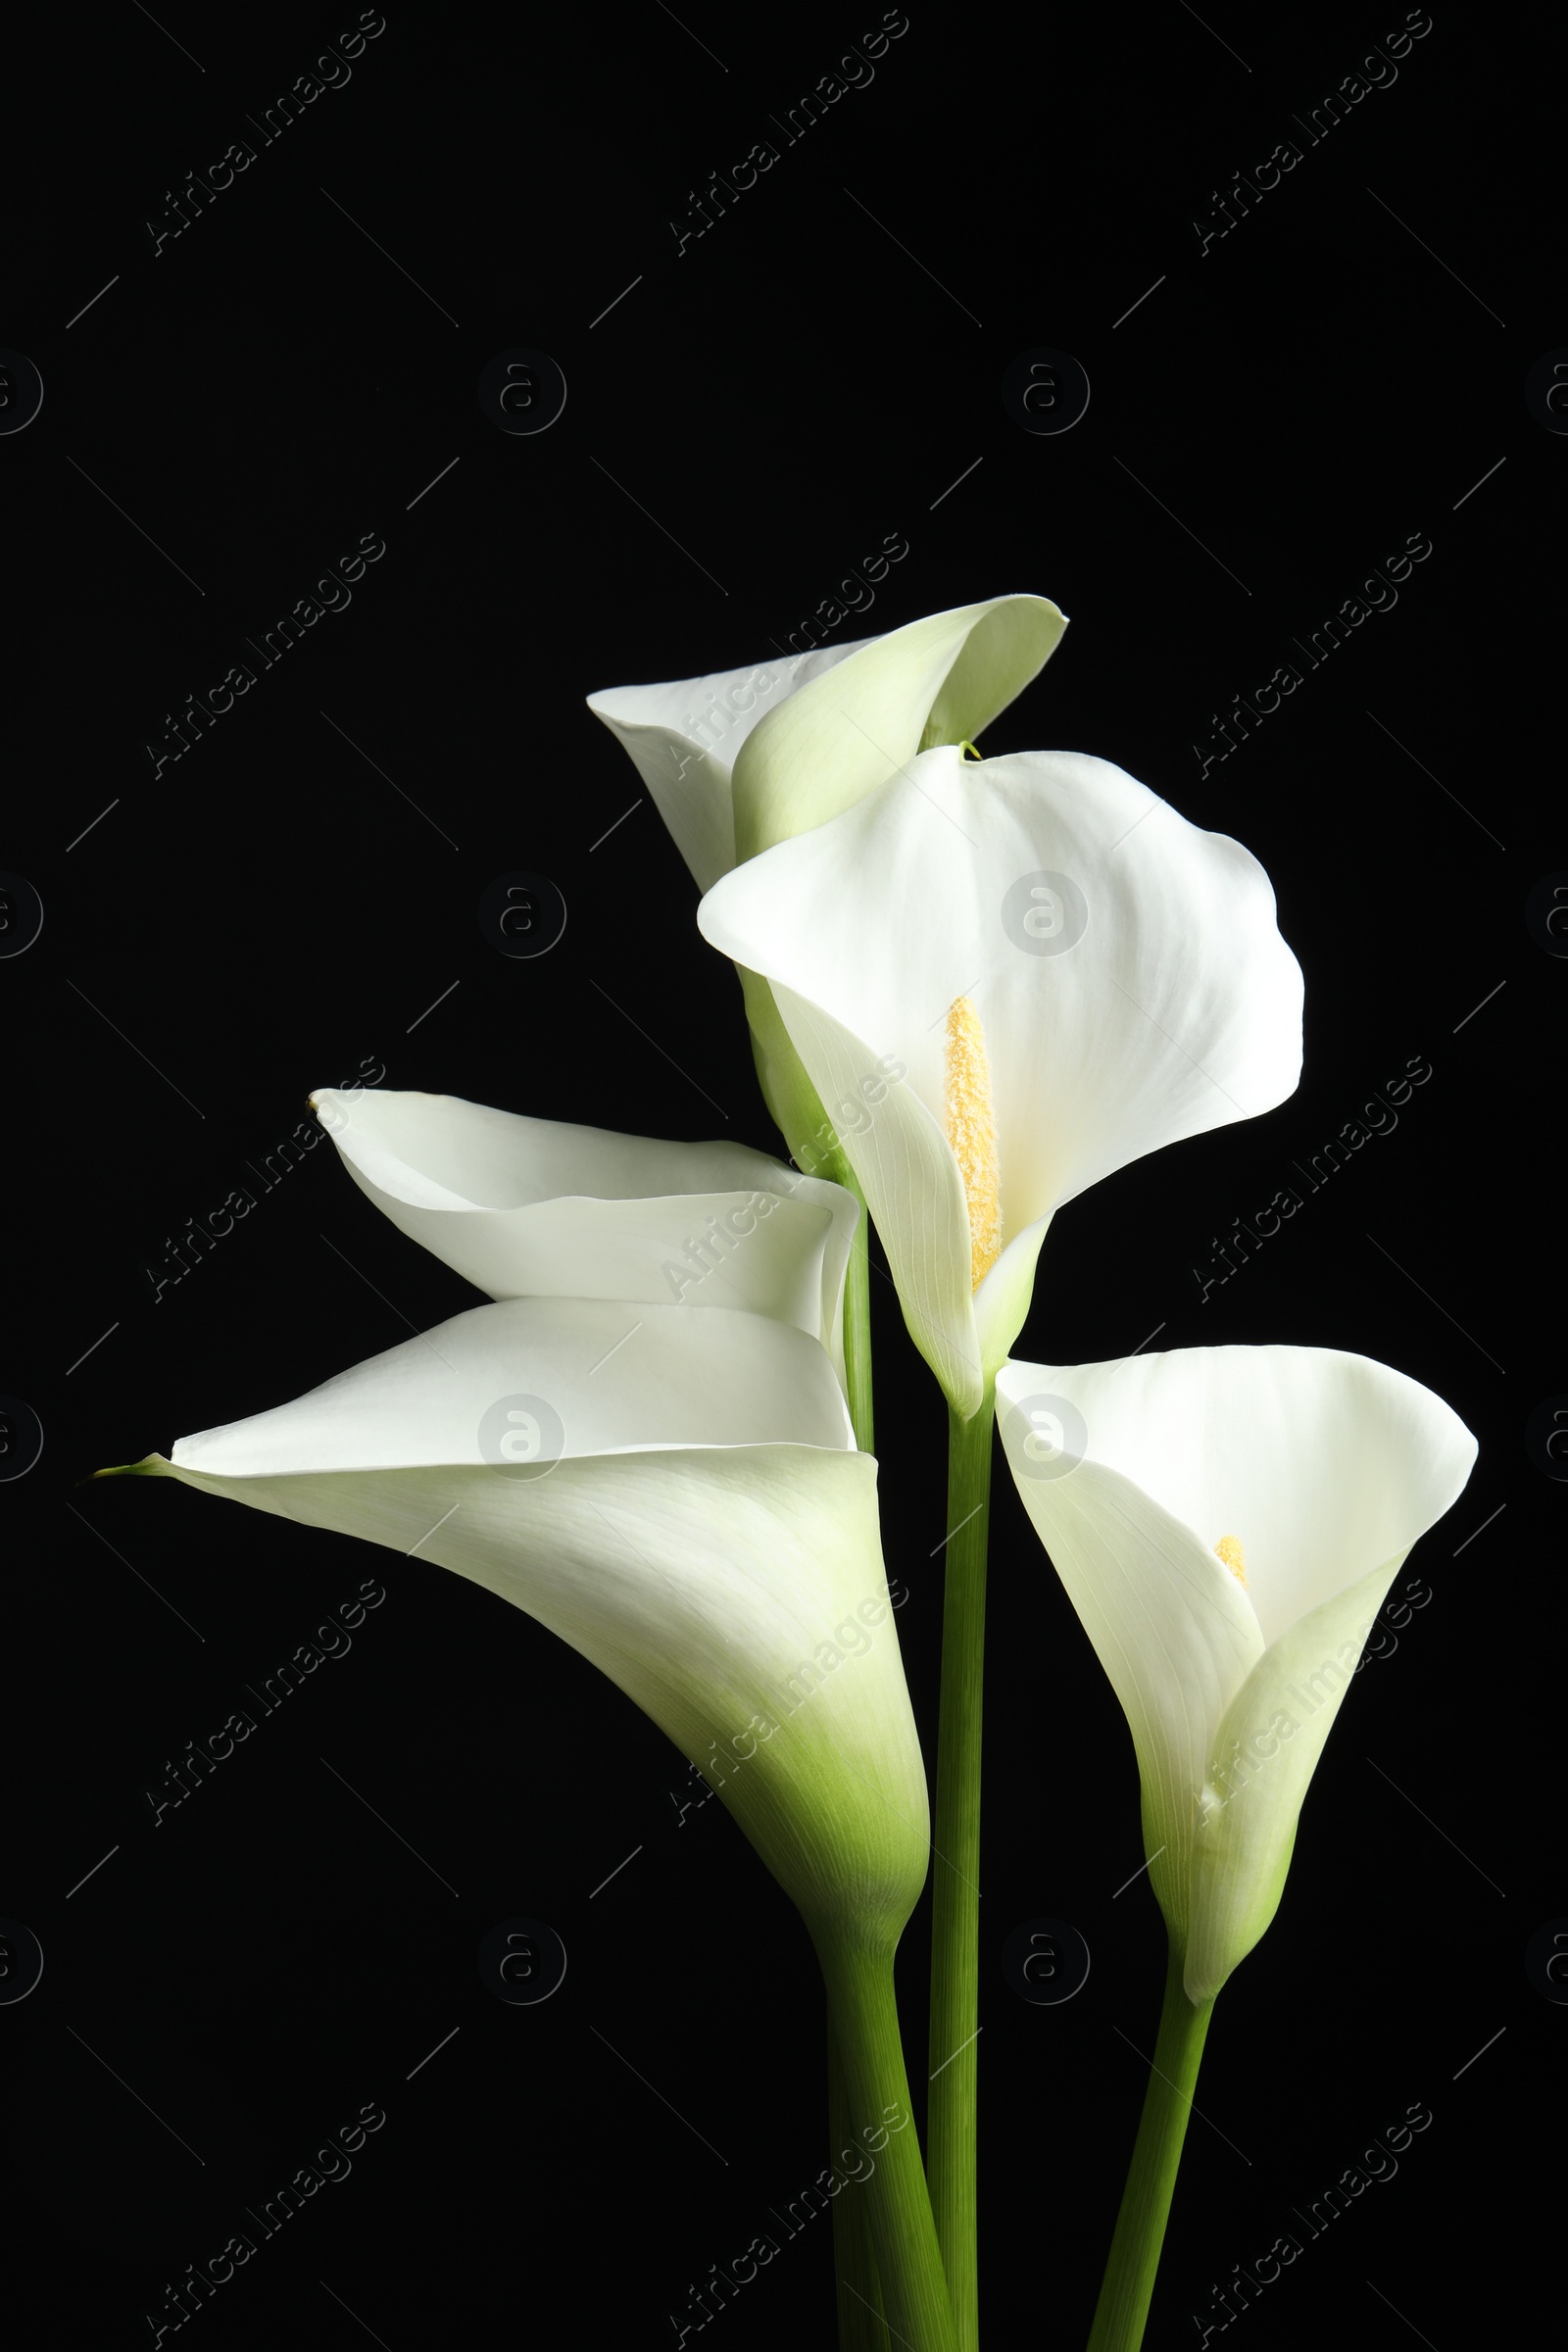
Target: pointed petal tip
point(151, 1465)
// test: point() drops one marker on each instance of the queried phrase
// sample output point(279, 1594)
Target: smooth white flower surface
point(1227, 1522)
point(683, 738)
point(678, 1496)
point(1006, 979)
point(818, 729)
point(533, 1207)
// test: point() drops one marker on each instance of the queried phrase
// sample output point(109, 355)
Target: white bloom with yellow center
point(1006, 979)
point(1229, 1653)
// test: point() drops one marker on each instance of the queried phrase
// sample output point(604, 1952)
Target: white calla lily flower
point(1227, 1522)
point(1006, 979)
point(737, 763)
point(533, 1207)
point(820, 728)
point(678, 1498)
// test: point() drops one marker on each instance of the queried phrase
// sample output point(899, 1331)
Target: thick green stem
point(955, 1864)
point(876, 2101)
point(856, 1310)
point(1140, 2232)
point(861, 2327)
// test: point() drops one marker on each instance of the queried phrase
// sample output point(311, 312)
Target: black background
point(742, 429)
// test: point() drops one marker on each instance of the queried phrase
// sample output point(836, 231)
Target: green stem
point(1140, 2232)
point(955, 1915)
point(856, 1309)
point(876, 2099)
point(861, 2327)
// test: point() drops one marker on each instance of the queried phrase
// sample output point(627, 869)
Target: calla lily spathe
point(675, 1494)
point(1006, 979)
point(1227, 1522)
point(819, 729)
point(534, 1207)
point(739, 762)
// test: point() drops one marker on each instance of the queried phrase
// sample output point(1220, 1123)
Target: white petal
point(526, 1207)
point(1173, 1629)
point(940, 680)
point(1173, 1005)
point(683, 738)
point(905, 1166)
point(714, 1587)
point(1325, 1465)
point(1264, 1755)
point(532, 1382)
